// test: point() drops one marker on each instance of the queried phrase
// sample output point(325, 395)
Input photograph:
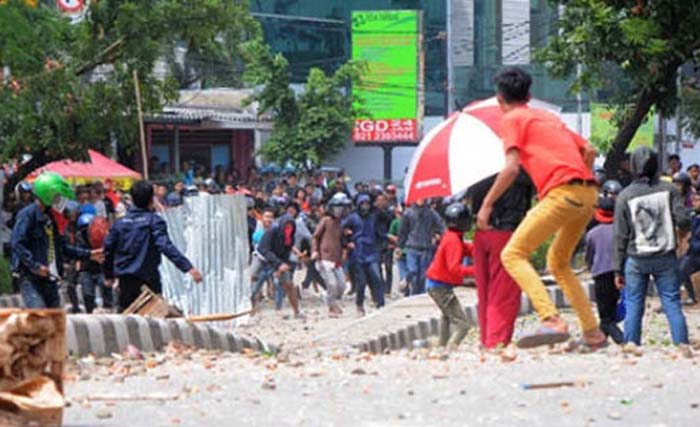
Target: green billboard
point(390, 43)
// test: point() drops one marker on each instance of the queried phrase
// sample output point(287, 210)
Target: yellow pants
point(564, 212)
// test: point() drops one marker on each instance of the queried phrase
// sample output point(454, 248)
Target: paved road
point(344, 388)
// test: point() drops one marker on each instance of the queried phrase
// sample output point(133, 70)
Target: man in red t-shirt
point(560, 165)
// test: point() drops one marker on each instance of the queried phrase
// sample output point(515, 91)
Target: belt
point(583, 182)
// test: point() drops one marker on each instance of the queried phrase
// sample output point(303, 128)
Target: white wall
point(365, 163)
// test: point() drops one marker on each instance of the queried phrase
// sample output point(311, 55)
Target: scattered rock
point(269, 384)
point(103, 414)
point(358, 371)
point(695, 405)
point(162, 377)
point(615, 416)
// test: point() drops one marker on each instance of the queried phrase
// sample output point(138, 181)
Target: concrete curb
point(11, 301)
point(426, 327)
point(104, 334)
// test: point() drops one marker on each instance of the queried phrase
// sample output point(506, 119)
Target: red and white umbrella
point(459, 152)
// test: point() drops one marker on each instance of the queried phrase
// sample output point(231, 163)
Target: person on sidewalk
point(39, 249)
point(647, 215)
point(327, 251)
point(446, 271)
point(419, 227)
point(134, 246)
point(600, 244)
point(559, 162)
point(276, 248)
point(499, 295)
point(365, 237)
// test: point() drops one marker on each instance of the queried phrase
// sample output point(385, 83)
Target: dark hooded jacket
point(647, 213)
point(277, 242)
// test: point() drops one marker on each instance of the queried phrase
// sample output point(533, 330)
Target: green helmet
point(49, 185)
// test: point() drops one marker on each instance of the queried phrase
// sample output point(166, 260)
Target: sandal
point(581, 346)
point(544, 335)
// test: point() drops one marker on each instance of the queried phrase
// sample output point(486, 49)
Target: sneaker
point(300, 316)
point(360, 312)
point(685, 351)
point(632, 348)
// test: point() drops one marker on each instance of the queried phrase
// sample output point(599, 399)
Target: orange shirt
point(549, 152)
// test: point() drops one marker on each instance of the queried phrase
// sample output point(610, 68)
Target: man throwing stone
point(559, 163)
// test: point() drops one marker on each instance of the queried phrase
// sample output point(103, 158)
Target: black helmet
point(611, 187)
point(458, 216)
point(605, 203)
point(682, 178)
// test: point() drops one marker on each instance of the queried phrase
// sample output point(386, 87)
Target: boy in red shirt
point(447, 271)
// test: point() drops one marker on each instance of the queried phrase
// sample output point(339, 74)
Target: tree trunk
point(627, 131)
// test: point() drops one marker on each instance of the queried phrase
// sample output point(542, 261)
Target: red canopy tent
point(100, 167)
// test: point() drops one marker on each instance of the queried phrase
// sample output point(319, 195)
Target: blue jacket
point(365, 235)
point(30, 242)
point(134, 246)
point(694, 248)
point(274, 246)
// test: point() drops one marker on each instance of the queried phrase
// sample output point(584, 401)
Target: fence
point(213, 232)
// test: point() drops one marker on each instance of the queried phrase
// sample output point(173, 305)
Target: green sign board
point(603, 129)
point(390, 43)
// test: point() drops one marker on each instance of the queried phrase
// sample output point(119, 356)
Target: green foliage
point(71, 85)
point(5, 276)
point(539, 257)
point(643, 42)
point(310, 127)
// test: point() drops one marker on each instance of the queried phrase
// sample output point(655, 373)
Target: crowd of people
point(348, 241)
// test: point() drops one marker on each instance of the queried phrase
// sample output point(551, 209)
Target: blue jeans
point(38, 292)
point(403, 270)
point(690, 264)
point(665, 271)
point(368, 274)
point(417, 263)
point(89, 282)
point(262, 276)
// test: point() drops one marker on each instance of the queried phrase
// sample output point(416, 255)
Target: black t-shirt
point(511, 208)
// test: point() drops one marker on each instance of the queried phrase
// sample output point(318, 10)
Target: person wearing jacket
point(327, 251)
point(690, 263)
point(499, 295)
point(90, 276)
point(600, 243)
point(134, 246)
point(447, 271)
point(419, 227)
point(276, 248)
point(365, 238)
point(38, 249)
point(647, 214)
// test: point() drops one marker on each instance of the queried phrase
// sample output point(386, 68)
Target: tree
point(70, 85)
point(310, 127)
point(647, 41)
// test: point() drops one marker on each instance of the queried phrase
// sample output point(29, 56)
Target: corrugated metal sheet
point(213, 232)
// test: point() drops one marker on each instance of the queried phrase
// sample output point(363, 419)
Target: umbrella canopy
point(459, 152)
point(100, 167)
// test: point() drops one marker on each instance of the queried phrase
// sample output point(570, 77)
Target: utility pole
point(450, 73)
point(679, 112)
point(142, 134)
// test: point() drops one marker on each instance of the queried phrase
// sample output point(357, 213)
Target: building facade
point(472, 38)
